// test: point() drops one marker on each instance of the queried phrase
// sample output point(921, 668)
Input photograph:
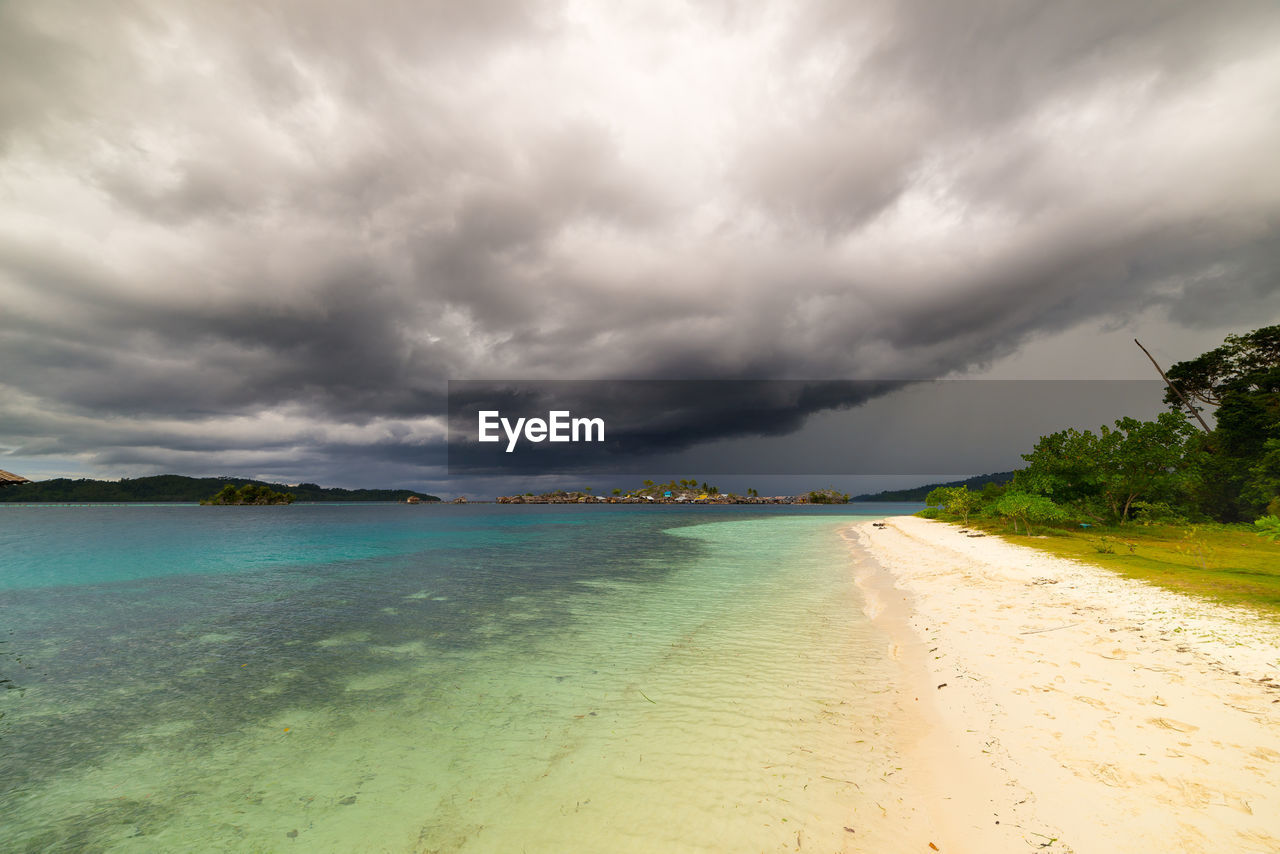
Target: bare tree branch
point(1174, 388)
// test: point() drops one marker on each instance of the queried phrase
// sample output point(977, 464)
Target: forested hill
point(918, 493)
point(175, 488)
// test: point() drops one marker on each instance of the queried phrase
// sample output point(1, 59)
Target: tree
point(1232, 368)
point(226, 495)
point(1028, 508)
point(1241, 381)
point(250, 493)
point(1263, 488)
point(957, 500)
point(1236, 473)
point(1141, 459)
point(1065, 466)
point(963, 502)
point(1108, 471)
point(830, 495)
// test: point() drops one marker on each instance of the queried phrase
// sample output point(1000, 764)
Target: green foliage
point(689, 489)
point(1026, 507)
point(1064, 465)
point(250, 493)
point(1149, 513)
point(1142, 458)
point(828, 496)
point(1236, 468)
point(956, 500)
point(1212, 377)
point(1166, 471)
point(1107, 472)
point(1261, 489)
point(1268, 526)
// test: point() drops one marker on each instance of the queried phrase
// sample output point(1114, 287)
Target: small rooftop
point(8, 477)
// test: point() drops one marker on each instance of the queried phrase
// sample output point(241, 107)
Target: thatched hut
point(8, 478)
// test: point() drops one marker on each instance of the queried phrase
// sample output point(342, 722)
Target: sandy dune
point(1064, 708)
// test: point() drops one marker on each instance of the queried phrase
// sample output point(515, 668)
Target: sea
point(439, 678)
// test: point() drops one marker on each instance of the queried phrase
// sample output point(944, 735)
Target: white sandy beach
point(1064, 708)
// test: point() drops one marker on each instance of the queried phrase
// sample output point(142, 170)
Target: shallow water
point(388, 678)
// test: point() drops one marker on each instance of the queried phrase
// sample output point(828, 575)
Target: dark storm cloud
point(642, 427)
point(643, 418)
point(272, 231)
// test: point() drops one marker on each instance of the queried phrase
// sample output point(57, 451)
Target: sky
point(259, 239)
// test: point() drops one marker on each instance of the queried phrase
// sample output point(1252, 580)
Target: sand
point(1061, 707)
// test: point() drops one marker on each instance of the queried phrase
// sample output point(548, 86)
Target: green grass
point(1224, 563)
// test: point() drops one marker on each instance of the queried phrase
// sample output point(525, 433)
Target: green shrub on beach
point(956, 500)
point(1027, 508)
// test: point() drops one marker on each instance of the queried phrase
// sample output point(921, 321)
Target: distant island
point(173, 488)
point(674, 492)
point(918, 493)
point(691, 492)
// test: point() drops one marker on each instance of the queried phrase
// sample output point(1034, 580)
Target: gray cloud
point(220, 216)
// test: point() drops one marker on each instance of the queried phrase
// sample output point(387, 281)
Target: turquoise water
point(396, 678)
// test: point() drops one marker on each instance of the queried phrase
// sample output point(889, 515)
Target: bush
point(1269, 527)
point(1028, 508)
point(1157, 513)
point(955, 500)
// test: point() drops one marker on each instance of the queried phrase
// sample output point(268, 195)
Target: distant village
point(675, 492)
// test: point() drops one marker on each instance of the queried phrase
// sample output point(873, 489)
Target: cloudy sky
point(258, 238)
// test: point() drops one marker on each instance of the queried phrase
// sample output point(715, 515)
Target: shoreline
point(1050, 705)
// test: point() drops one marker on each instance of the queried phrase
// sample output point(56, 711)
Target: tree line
point(1173, 469)
point(179, 488)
